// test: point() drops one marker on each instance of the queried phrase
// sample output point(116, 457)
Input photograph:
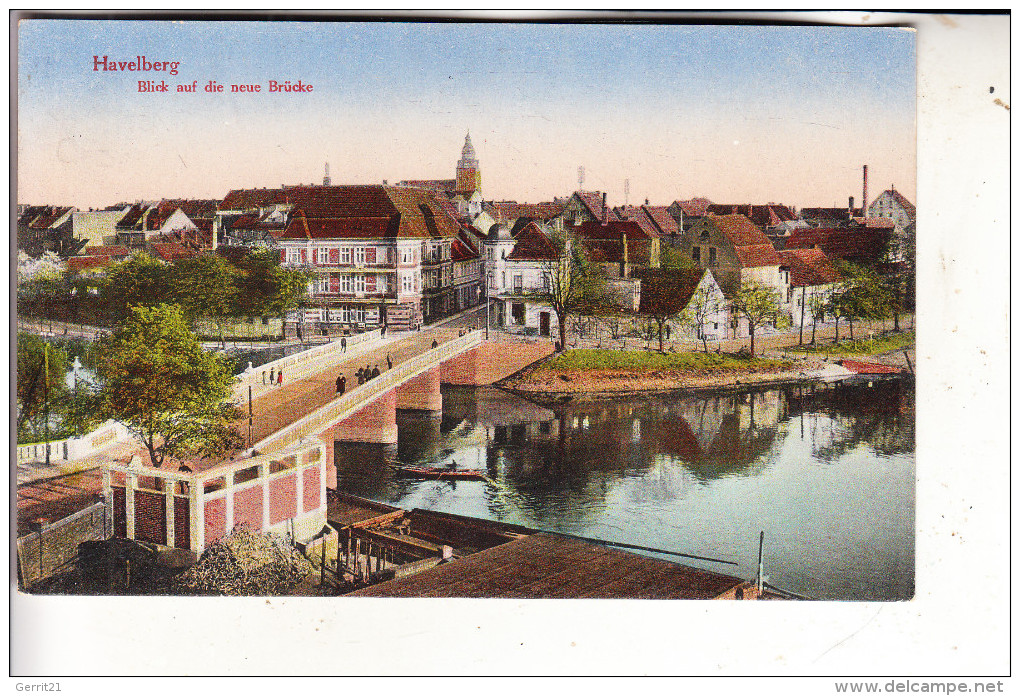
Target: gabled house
point(619, 245)
point(43, 228)
point(98, 227)
point(143, 221)
point(736, 251)
point(687, 213)
point(672, 292)
point(382, 255)
point(516, 270)
point(894, 205)
point(587, 206)
point(812, 276)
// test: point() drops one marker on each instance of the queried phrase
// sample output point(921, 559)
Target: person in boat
point(452, 465)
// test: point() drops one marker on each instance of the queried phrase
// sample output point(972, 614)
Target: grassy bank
point(883, 344)
point(649, 361)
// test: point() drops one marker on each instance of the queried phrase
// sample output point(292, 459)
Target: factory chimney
point(326, 179)
point(864, 194)
point(850, 211)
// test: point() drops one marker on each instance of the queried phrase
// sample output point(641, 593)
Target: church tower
point(469, 176)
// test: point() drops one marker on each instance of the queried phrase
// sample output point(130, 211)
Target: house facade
point(893, 205)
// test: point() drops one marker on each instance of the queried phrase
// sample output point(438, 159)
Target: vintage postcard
point(338, 308)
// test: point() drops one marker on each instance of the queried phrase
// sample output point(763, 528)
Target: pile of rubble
point(245, 564)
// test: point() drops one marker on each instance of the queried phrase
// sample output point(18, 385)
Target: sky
point(737, 114)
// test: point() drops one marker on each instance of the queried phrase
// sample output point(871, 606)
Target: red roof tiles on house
point(809, 267)
point(111, 250)
point(592, 200)
point(77, 264)
point(761, 215)
point(740, 230)
point(510, 210)
point(667, 291)
point(170, 251)
point(757, 255)
point(533, 245)
point(301, 227)
point(860, 244)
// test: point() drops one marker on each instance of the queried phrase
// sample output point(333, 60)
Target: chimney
point(850, 212)
point(325, 179)
point(605, 211)
point(864, 193)
point(646, 201)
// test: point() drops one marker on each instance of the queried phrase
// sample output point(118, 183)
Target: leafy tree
point(167, 390)
point(759, 305)
point(204, 286)
point(42, 287)
point(40, 384)
point(139, 280)
point(265, 288)
point(703, 304)
point(818, 304)
point(861, 295)
point(574, 282)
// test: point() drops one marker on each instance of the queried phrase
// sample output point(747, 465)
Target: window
point(359, 283)
point(345, 283)
point(696, 254)
point(322, 283)
point(359, 255)
point(518, 282)
point(407, 283)
point(712, 261)
point(293, 255)
point(322, 256)
point(517, 311)
point(345, 254)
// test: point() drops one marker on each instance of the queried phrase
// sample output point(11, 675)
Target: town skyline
point(734, 114)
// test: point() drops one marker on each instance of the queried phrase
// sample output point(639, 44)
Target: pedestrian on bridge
point(361, 376)
point(272, 376)
point(279, 376)
point(435, 343)
point(263, 376)
point(341, 385)
point(375, 372)
point(343, 344)
point(368, 372)
point(389, 362)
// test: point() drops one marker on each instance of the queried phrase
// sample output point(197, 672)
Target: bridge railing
point(353, 401)
point(297, 365)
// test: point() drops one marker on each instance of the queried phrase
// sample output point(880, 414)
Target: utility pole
point(250, 414)
point(46, 394)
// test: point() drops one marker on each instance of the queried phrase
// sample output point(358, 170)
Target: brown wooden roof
point(547, 566)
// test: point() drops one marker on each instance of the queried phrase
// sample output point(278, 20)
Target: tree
point(139, 280)
point(818, 304)
point(204, 286)
point(574, 283)
point(41, 383)
point(167, 390)
point(265, 288)
point(703, 304)
point(861, 295)
point(759, 305)
point(41, 284)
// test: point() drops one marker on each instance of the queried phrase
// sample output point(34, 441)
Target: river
point(826, 473)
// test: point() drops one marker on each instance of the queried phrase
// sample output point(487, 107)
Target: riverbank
point(602, 373)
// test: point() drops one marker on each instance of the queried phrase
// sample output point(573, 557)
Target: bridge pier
point(421, 393)
point(377, 422)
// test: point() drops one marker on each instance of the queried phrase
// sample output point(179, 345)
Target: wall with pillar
point(421, 393)
point(377, 422)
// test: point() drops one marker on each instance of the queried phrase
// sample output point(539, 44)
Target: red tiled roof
point(76, 264)
point(248, 199)
point(301, 227)
point(170, 251)
point(667, 291)
point(639, 216)
point(809, 267)
point(462, 250)
point(48, 216)
point(665, 222)
point(695, 207)
point(612, 230)
point(112, 250)
point(757, 255)
point(903, 202)
point(860, 244)
point(828, 214)
point(739, 230)
point(533, 245)
point(132, 218)
point(592, 200)
point(761, 215)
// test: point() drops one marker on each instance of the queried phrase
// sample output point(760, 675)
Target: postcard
point(581, 320)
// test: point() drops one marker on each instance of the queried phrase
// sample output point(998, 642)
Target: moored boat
point(438, 472)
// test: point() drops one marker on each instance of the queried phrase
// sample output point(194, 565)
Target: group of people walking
point(274, 376)
point(363, 375)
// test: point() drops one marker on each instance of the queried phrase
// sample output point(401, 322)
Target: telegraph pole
point(46, 394)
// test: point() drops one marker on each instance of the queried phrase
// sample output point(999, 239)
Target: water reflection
point(683, 473)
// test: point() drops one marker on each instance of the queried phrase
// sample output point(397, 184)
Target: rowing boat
point(435, 472)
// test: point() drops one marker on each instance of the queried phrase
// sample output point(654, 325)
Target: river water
point(826, 473)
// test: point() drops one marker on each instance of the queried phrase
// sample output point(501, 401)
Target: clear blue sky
point(739, 114)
